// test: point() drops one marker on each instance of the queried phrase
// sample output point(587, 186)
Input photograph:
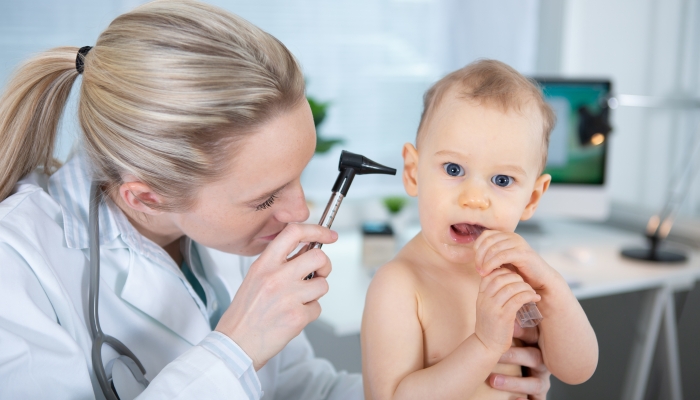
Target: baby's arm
point(568, 343)
point(392, 338)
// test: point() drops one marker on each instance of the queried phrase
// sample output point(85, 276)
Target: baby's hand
point(495, 249)
point(501, 294)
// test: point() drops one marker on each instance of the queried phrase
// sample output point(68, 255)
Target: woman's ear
point(138, 196)
point(541, 186)
point(410, 169)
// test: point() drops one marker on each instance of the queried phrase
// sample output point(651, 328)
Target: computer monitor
point(577, 149)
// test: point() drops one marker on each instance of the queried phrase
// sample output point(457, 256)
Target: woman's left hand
point(536, 385)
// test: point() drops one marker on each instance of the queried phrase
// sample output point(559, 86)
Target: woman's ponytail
point(166, 110)
point(30, 110)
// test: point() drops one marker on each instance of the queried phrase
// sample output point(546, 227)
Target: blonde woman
point(195, 131)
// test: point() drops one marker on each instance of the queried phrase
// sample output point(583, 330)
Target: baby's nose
point(473, 197)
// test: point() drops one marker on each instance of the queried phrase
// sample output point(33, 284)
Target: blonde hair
point(493, 83)
point(166, 90)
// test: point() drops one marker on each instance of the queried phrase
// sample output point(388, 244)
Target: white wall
point(647, 47)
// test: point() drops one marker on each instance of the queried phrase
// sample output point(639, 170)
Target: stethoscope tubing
point(98, 337)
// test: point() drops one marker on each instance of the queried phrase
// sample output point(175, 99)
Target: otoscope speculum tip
point(362, 165)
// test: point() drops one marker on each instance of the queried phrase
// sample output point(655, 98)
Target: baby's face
point(477, 169)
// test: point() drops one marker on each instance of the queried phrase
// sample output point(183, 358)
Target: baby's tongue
point(468, 230)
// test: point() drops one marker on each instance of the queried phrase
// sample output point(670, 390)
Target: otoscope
point(350, 164)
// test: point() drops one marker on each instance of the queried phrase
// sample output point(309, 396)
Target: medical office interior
point(624, 79)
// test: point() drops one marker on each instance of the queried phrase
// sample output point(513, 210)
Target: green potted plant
point(319, 110)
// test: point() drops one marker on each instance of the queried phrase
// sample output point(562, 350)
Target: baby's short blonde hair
point(493, 83)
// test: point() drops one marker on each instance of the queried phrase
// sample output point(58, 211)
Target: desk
point(604, 273)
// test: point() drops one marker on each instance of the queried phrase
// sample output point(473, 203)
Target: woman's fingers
point(313, 260)
point(313, 289)
point(536, 387)
point(313, 310)
point(292, 235)
point(530, 357)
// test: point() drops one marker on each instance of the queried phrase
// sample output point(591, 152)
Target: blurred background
point(372, 60)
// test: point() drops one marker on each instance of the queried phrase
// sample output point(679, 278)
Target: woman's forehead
point(274, 153)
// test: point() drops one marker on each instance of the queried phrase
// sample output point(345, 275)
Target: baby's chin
point(458, 253)
point(451, 252)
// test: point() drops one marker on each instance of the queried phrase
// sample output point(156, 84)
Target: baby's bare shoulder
point(396, 276)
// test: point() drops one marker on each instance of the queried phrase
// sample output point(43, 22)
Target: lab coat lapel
point(163, 296)
point(223, 271)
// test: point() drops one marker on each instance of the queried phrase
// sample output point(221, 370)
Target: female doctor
point(195, 133)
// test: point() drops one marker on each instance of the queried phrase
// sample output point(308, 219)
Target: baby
point(441, 314)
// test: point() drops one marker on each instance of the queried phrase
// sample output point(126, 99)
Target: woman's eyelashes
point(267, 204)
point(502, 180)
point(453, 169)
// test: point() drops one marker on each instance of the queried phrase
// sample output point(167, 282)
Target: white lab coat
point(145, 302)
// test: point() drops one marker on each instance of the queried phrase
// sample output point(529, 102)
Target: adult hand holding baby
point(536, 383)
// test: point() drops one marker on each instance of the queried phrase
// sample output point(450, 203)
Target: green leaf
point(323, 145)
point(318, 110)
point(394, 203)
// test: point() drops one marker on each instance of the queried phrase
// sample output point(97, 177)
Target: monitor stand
point(653, 253)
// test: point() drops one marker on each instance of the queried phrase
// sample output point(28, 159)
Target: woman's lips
point(465, 233)
point(270, 237)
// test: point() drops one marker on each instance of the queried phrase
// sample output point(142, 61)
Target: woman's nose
point(473, 196)
point(294, 208)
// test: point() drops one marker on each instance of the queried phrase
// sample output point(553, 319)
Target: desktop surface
point(586, 254)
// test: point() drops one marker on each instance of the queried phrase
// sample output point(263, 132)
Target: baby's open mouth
point(465, 233)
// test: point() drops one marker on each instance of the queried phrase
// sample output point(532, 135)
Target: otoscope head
point(352, 164)
point(362, 165)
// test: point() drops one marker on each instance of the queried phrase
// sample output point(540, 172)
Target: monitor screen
point(578, 144)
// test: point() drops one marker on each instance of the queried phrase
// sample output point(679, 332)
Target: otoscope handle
point(326, 221)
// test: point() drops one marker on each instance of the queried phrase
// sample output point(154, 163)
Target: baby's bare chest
point(448, 317)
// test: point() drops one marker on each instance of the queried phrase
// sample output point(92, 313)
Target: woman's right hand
point(274, 304)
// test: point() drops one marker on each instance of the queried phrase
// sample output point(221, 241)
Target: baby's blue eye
point(502, 180)
point(453, 169)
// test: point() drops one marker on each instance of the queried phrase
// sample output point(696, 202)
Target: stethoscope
point(350, 164)
point(104, 376)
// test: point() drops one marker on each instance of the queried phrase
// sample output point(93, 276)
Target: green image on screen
point(573, 158)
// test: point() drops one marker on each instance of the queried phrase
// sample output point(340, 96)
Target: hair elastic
point(80, 61)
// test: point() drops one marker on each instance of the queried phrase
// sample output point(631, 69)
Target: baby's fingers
point(486, 281)
point(503, 278)
point(515, 290)
point(516, 301)
point(495, 251)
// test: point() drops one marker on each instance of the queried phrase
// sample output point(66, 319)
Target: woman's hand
point(274, 303)
point(536, 385)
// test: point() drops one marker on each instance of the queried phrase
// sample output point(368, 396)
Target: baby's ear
point(541, 186)
point(410, 169)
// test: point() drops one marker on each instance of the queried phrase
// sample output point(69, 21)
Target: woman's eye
point(453, 169)
point(502, 180)
point(267, 204)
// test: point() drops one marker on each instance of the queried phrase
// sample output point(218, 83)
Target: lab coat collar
point(70, 187)
point(182, 312)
